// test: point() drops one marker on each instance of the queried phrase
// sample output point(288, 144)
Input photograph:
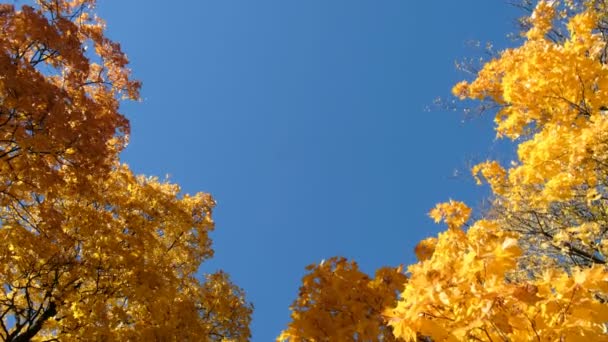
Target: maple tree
point(338, 302)
point(534, 266)
point(91, 251)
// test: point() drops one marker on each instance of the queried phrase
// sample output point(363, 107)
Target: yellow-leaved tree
point(534, 266)
point(89, 250)
point(338, 302)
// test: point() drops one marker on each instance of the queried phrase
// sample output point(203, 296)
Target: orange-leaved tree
point(534, 266)
point(89, 250)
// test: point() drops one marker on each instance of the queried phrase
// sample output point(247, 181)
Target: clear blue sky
point(306, 120)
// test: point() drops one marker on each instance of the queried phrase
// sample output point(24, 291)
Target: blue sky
point(306, 120)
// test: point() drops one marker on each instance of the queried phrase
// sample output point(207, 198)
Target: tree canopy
point(533, 266)
point(92, 251)
point(89, 250)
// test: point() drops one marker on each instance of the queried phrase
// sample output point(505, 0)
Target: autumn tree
point(533, 267)
point(548, 208)
point(91, 251)
point(338, 302)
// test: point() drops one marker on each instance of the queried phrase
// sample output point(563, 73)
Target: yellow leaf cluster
point(454, 213)
point(454, 284)
point(338, 302)
point(463, 292)
point(553, 96)
point(114, 264)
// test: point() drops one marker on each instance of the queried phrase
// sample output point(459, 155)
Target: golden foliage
point(338, 302)
point(454, 213)
point(534, 268)
point(60, 90)
point(463, 292)
point(91, 251)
